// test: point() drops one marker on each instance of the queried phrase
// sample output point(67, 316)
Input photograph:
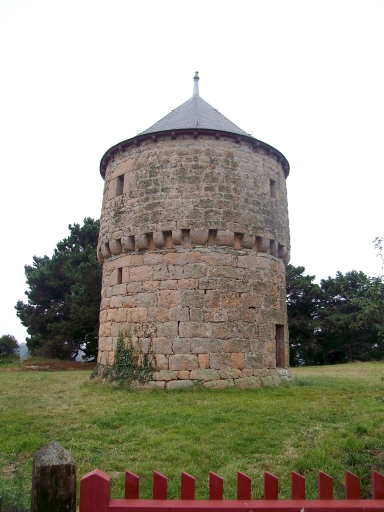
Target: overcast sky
point(78, 76)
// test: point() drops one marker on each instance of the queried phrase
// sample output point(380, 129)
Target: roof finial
point(196, 84)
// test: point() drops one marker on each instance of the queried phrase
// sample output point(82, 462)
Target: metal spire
point(196, 84)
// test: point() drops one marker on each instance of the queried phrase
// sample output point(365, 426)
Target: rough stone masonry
point(194, 239)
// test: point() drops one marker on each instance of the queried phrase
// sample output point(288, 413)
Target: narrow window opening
point(119, 277)
point(168, 239)
point(273, 247)
point(186, 239)
point(212, 236)
point(107, 249)
point(272, 188)
point(151, 243)
point(238, 241)
point(120, 185)
point(280, 347)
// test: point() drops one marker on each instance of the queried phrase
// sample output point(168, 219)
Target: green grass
point(330, 419)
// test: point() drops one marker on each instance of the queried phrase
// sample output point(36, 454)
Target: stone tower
point(194, 239)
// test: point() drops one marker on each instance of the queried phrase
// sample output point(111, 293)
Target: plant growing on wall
point(131, 364)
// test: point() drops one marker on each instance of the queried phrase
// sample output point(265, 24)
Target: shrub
point(9, 349)
point(130, 364)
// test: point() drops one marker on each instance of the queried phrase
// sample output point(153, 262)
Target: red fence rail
point(95, 495)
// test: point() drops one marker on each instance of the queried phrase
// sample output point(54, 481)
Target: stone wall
point(185, 183)
point(194, 239)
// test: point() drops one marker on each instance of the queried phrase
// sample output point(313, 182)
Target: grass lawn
point(331, 418)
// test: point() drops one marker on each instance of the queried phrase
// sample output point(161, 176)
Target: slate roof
point(195, 113)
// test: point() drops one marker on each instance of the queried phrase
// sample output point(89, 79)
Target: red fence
point(95, 495)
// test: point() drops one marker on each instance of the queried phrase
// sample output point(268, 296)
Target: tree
point(371, 307)
point(62, 313)
point(346, 334)
point(9, 347)
point(340, 320)
point(371, 304)
point(303, 300)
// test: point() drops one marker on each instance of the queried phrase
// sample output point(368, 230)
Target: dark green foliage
point(341, 320)
point(8, 345)
point(9, 349)
point(343, 337)
point(130, 364)
point(371, 302)
point(303, 300)
point(62, 313)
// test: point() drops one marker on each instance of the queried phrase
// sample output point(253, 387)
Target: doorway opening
point(280, 346)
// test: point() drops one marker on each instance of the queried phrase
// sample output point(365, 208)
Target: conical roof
point(196, 117)
point(195, 113)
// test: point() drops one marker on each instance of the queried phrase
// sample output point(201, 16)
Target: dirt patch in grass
point(15, 510)
point(8, 471)
point(52, 365)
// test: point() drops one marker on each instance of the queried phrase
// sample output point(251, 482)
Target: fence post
point(95, 491)
point(53, 480)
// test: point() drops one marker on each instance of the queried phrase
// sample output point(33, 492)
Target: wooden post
point(95, 491)
point(53, 480)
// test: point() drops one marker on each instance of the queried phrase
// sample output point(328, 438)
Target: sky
point(79, 76)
